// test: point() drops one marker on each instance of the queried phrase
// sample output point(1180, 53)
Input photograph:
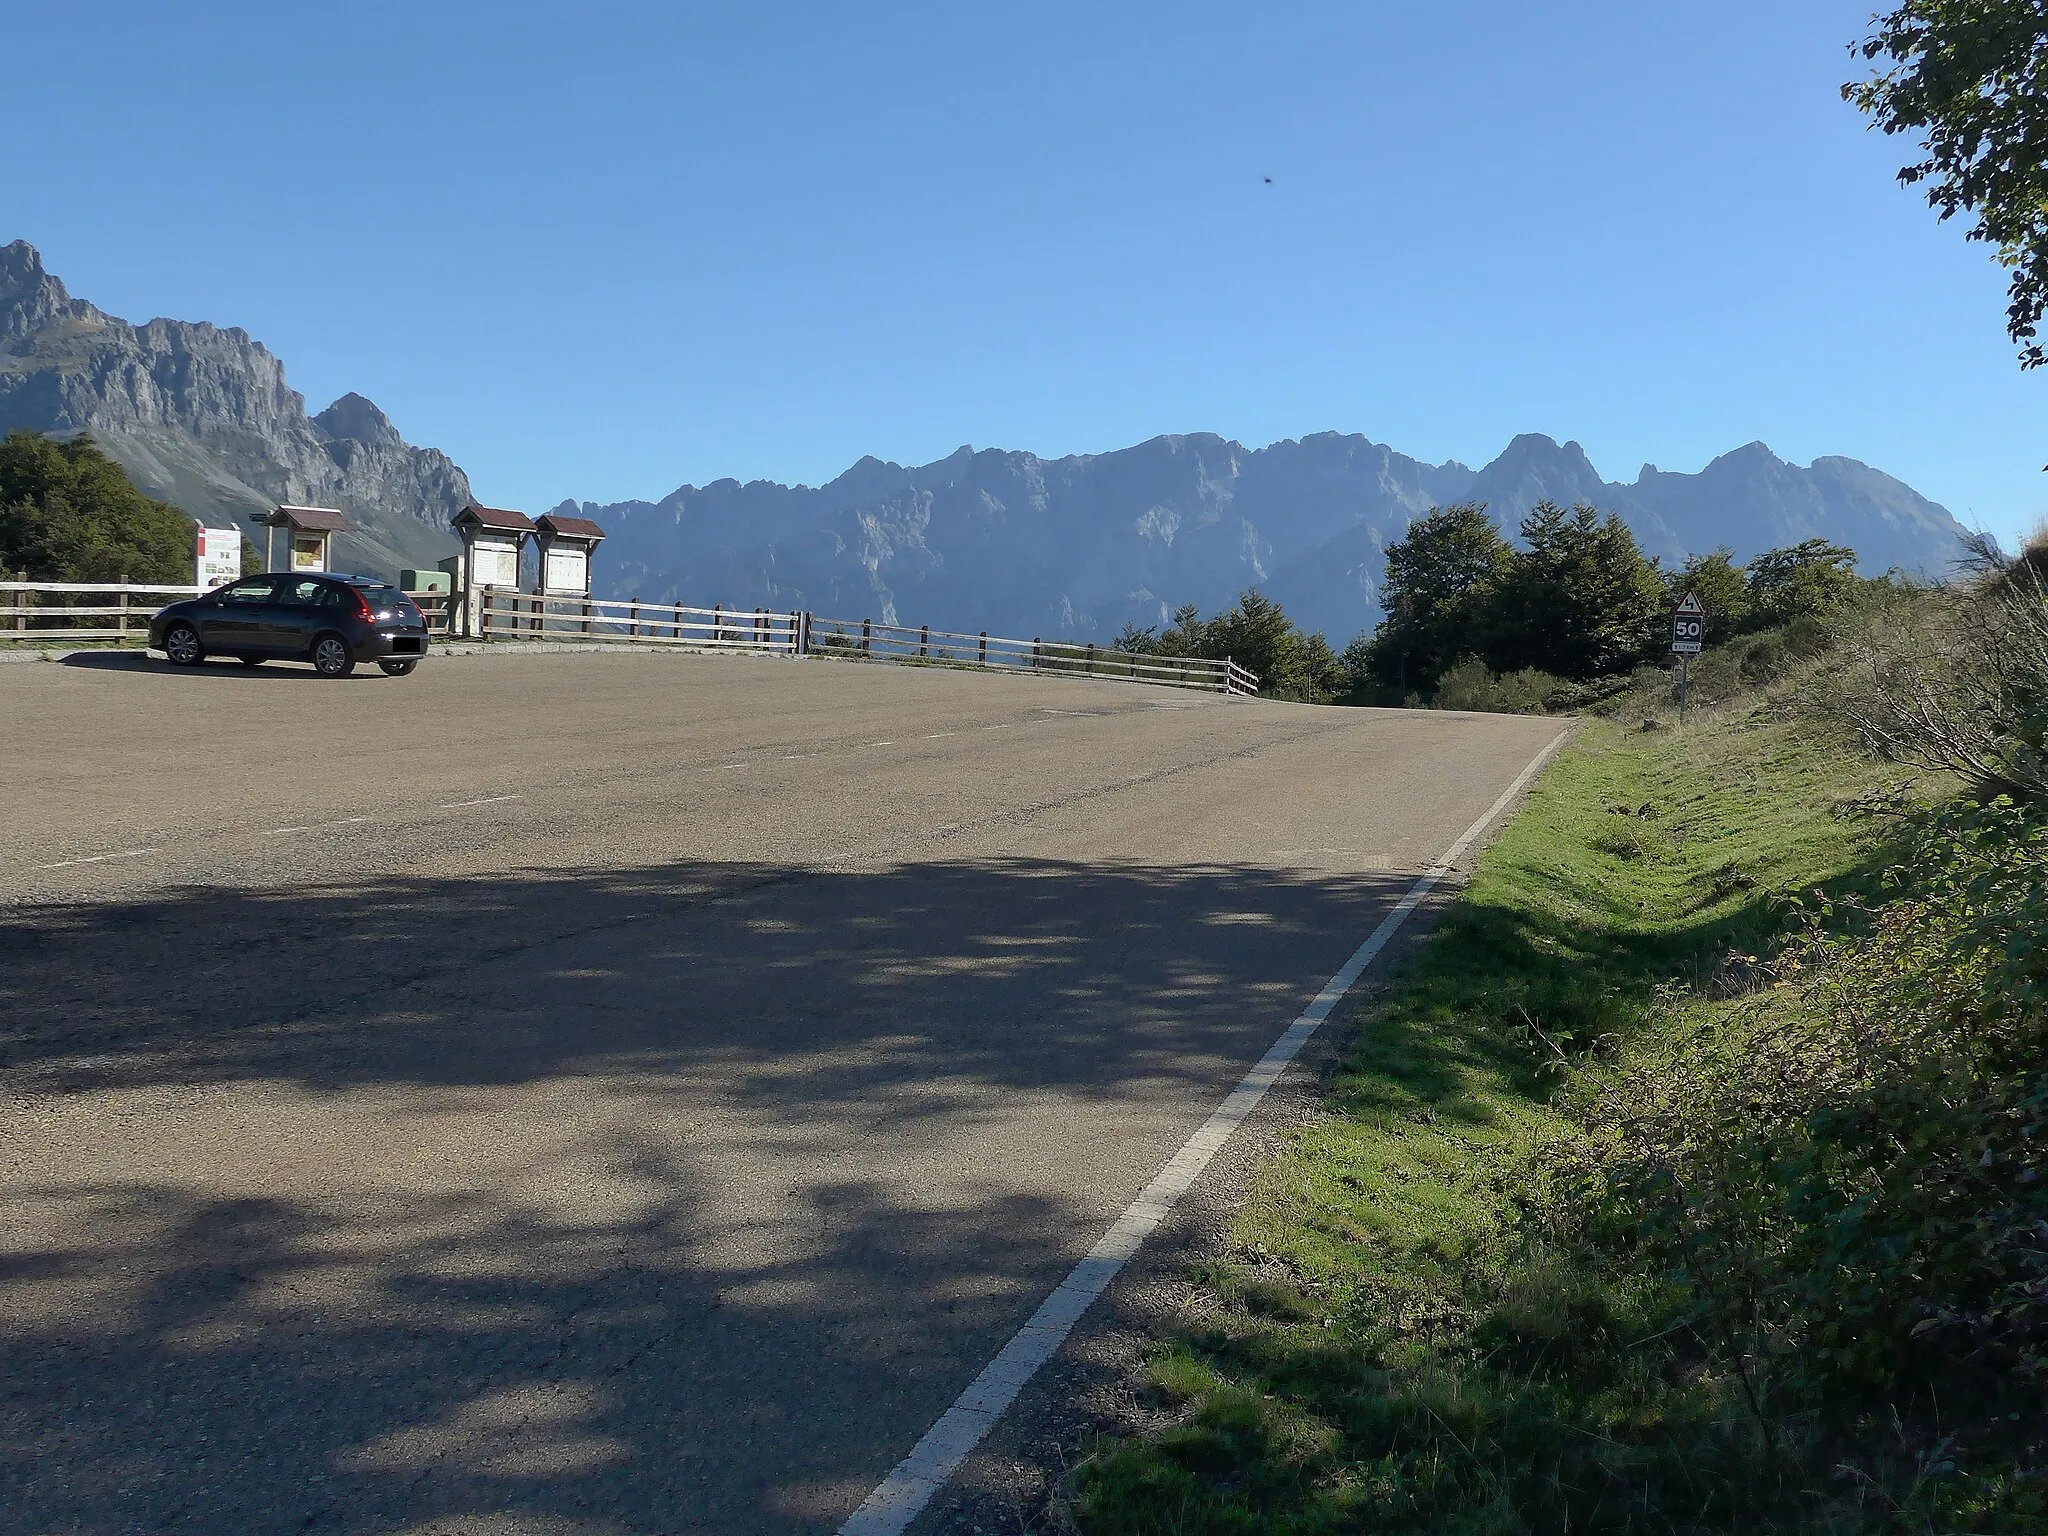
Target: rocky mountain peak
point(31, 297)
point(201, 416)
point(353, 418)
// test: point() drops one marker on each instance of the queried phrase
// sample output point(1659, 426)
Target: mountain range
point(999, 540)
point(1081, 546)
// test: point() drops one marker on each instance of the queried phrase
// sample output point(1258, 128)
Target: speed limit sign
point(1689, 626)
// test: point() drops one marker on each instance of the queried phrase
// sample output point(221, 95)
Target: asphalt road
point(605, 1093)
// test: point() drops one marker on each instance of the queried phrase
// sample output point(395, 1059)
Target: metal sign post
point(1688, 633)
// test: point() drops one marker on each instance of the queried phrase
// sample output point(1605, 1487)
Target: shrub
point(1469, 685)
point(1846, 1172)
point(1954, 678)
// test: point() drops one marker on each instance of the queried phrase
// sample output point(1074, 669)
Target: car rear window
point(380, 598)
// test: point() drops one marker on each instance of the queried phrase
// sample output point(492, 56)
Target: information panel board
point(220, 557)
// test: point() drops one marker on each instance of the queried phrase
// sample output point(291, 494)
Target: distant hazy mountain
point(1006, 542)
point(1080, 546)
point(202, 418)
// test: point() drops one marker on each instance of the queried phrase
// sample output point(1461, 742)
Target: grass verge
point(1399, 1339)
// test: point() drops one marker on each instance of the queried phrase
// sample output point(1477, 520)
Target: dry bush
point(1953, 679)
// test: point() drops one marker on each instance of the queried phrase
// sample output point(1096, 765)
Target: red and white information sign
point(220, 557)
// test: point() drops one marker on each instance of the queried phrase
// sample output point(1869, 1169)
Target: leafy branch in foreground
point(1971, 77)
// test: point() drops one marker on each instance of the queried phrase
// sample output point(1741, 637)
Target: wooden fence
point(437, 608)
point(504, 614)
point(55, 610)
point(865, 640)
point(60, 610)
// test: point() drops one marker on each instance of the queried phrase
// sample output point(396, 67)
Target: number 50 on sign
point(1689, 626)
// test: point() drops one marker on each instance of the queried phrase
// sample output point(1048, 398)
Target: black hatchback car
point(331, 620)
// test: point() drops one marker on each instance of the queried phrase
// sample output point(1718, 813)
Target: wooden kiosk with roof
point(492, 540)
point(566, 544)
point(311, 546)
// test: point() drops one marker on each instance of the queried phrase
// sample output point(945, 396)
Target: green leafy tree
point(1258, 635)
point(68, 513)
point(1970, 79)
point(1439, 579)
point(1186, 636)
point(1800, 581)
point(1359, 661)
point(1326, 676)
point(1582, 601)
point(1722, 590)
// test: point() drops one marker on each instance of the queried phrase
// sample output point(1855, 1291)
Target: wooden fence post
point(983, 657)
point(21, 601)
point(633, 626)
point(924, 640)
point(867, 629)
point(121, 624)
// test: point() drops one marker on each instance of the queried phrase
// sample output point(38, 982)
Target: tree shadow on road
point(1021, 973)
point(644, 1349)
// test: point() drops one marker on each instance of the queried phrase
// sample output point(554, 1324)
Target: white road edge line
point(461, 805)
point(902, 1496)
point(98, 858)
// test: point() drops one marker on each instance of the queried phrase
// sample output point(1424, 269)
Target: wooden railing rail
point(510, 615)
point(858, 639)
point(437, 608)
point(49, 610)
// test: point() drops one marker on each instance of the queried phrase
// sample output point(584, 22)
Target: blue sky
point(601, 250)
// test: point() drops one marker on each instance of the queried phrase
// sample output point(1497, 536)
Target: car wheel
point(398, 668)
point(331, 657)
point(181, 644)
point(252, 661)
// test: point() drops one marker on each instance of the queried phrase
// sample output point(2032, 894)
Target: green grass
point(1389, 1343)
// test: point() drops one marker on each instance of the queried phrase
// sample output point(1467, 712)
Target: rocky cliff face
point(1078, 547)
point(202, 417)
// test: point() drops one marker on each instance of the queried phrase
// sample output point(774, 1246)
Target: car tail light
point(363, 609)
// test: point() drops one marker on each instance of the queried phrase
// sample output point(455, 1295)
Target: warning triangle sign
point(1691, 603)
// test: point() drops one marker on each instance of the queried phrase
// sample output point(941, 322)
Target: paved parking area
point(600, 1093)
